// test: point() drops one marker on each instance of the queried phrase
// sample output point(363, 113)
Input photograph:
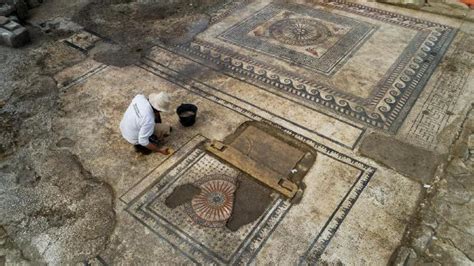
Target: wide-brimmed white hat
point(160, 101)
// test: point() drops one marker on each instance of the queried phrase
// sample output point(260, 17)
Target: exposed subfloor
point(383, 96)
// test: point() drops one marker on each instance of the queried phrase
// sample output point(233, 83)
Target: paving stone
point(16, 38)
point(429, 219)
point(422, 239)
point(406, 257)
point(11, 26)
point(444, 9)
point(14, 35)
point(21, 8)
point(3, 20)
point(404, 2)
point(457, 167)
point(445, 253)
point(34, 3)
point(459, 239)
point(470, 142)
point(453, 3)
point(458, 215)
point(412, 161)
point(6, 10)
point(456, 192)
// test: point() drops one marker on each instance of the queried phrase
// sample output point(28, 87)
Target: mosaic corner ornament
point(213, 206)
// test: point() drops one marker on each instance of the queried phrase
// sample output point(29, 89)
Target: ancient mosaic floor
point(325, 74)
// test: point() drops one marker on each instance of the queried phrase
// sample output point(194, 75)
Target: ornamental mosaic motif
point(300, 32)
point(212, 207)
point(315, 39)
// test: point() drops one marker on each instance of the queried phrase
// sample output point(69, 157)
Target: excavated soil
point(136, 27)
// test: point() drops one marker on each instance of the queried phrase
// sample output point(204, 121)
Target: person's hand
point(165, 151)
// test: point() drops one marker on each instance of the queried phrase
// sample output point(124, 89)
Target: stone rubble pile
point(451, 8)
point(12, 33)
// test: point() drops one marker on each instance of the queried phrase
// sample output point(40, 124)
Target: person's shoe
point(142, 150)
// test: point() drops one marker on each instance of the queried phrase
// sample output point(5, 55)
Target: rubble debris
point(6, 10)
point(14, 7)
point(12, 33)
point(33, 3)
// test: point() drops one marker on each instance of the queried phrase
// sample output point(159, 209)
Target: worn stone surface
point(76, 191)
point(175, 22)
point(9, 252)
point(452, 8)
point(52, 208)
point(251, 200)
point(444, 229)
point(182, 194)
point(417, 163)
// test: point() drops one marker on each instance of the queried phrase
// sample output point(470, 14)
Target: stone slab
point(416, 163)
point(13, 34)
point(3, 20)
point(267, 149)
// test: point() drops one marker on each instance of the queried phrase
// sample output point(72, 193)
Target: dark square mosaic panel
point(295, 34)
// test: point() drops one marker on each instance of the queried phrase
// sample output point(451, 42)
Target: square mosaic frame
point(188, 243)
point(327, 63)
point(390, 100)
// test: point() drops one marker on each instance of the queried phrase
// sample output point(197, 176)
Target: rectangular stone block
point(17, 37)
point(3, 20)
point(6, 9)
point(11, 26)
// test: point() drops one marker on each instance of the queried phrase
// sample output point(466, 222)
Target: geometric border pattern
point(172, 73)
point(392, 98)
point(248, 251)
point(442, 100)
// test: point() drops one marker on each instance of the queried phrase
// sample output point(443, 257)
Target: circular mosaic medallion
point(213, 206)
point(299, 31)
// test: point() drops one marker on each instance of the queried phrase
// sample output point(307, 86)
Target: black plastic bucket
point(187, 114)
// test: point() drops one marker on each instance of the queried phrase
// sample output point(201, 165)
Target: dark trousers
point(144, 150)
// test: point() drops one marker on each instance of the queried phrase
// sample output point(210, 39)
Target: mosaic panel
point(198, 246)
point(312, 38)
point(197, 232)
point(305, 38)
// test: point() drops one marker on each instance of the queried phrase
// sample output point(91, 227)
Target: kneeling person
point(141, 124)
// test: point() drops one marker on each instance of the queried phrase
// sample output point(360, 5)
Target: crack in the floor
point(453, 244)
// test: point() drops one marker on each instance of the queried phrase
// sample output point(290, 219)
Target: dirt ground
point(49, 200)
point(55, 209)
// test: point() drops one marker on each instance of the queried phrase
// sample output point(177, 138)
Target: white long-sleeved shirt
point(138, 122)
